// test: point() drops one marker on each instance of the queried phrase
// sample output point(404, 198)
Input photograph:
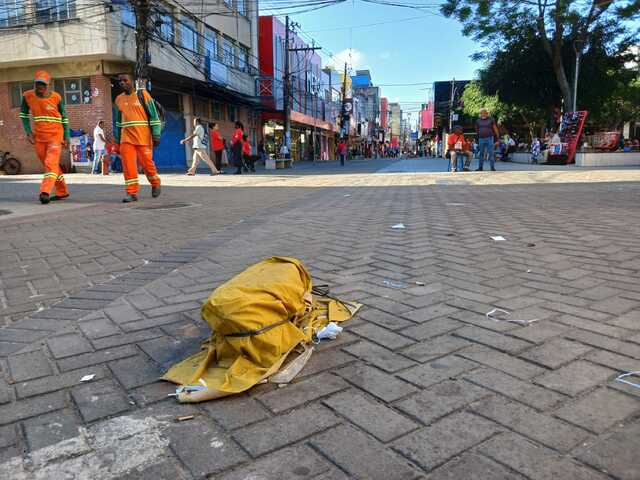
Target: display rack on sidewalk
point(570, 133)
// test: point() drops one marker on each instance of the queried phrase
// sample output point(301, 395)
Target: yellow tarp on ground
point(258, 317)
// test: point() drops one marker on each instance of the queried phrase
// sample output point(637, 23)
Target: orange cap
point(42, 76)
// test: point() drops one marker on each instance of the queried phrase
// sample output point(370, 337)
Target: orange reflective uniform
point(50, 127)
point(135, 133)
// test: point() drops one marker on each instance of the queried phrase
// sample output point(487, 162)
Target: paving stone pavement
point(420, 385)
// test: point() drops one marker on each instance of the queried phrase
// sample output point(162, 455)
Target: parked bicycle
point(9, 164)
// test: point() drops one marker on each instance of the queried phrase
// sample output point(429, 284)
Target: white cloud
point(384, 56)
point(354, 58)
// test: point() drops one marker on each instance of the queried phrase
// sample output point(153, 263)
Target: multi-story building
point(395, 123)
point(384, 119)
point(202, 55)
point(369, 96)
point(312, 118)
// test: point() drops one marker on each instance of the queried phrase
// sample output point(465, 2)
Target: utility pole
point(287, 89)
point(453, 93)
point(344, 118)
point(142, 9)
point(286, 104)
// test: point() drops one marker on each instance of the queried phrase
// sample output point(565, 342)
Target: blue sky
point(404, 51)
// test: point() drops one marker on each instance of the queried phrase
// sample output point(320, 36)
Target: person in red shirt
point(342, 151)
point(459, 146)
point(236, 147)
point(246, 153)
point(217, 144)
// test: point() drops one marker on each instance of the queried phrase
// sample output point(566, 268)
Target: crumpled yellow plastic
point(258, 318)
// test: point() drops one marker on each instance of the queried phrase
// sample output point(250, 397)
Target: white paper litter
point(498, 238)
point(330, 332)
point(622, 377)
point(496, 317)
point(420, 284)
point(399, 226)
point(346, 195)
point(88, 378)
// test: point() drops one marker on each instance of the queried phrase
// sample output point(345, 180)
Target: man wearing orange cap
point(50, 133)
point(138, 129)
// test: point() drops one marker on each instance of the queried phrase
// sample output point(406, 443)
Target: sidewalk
point(420, 385)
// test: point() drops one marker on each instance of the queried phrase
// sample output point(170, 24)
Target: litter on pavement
point(500, 315)
point(622, 377)
point(330, 332)
point(264, 323)
point(420, 284)
point(88, 378)
point(394, 284)
point(399, 226)
point(498, 238)
point(346, 195)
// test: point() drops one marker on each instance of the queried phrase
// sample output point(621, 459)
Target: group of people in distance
point(137, 131)
point(240, 148)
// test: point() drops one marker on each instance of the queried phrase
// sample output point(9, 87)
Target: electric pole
point(286, 104)
point(142, 9)
point(286, 89)
point(344, 118)
point(451, 100)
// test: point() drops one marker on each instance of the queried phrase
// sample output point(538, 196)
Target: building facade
point(395, 123)
point(202, 63)
point(368, 96)
point(313, 125)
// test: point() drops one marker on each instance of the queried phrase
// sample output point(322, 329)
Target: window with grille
point(164, 25)
point(54, 10)
point(228, 3)
point(189, 31)
point(12, 12)
point(17, 90)
point(201, 108)
point(241, 7)
point(211, 43)
point(217, 111)
point(243, 58)
point(228, 52)
point(74, 91)
point(232, 113)
point(128, 15)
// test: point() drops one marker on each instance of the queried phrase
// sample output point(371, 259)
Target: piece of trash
point(529, 271)
point(496, 317)
point(498, 238)
point(622, 377)
point(330, 332)
point(392, 284)
point(399, 226)
point(346, 195)
point(185, 418)
point(450, 235)
point(420, 284)
point(456, 204)
point(187, 389)
point(88, 378)
point(531, 244)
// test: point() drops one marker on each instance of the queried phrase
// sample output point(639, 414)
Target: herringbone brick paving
point(420, 385)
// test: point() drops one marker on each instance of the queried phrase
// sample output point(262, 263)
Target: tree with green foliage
point(563, 28)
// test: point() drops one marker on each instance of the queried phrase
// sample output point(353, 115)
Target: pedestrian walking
point(236, 147)
point(247, 158)
point(99, 146)
point(535, 150)
point(217, 143)
point(342, 151)
point(458, 147)
point(199, 147)
point(138, 130)
point(487, 132)
point(50, 133)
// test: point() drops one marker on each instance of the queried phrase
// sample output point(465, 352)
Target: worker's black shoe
point(129, 199)
point(155, 191)
point(478, 169)
point(44, 198)
point(55, 198)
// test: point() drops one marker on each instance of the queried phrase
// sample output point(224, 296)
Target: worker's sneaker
point(129, 199)
point(493, 169)
point(155, 191)
point(478, 169)
point(55, 198)
point(44, 198)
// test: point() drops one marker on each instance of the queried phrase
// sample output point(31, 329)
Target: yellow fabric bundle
point(258, 318)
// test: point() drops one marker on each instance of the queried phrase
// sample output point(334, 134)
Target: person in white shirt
point(199, 148)
point(99, 145)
